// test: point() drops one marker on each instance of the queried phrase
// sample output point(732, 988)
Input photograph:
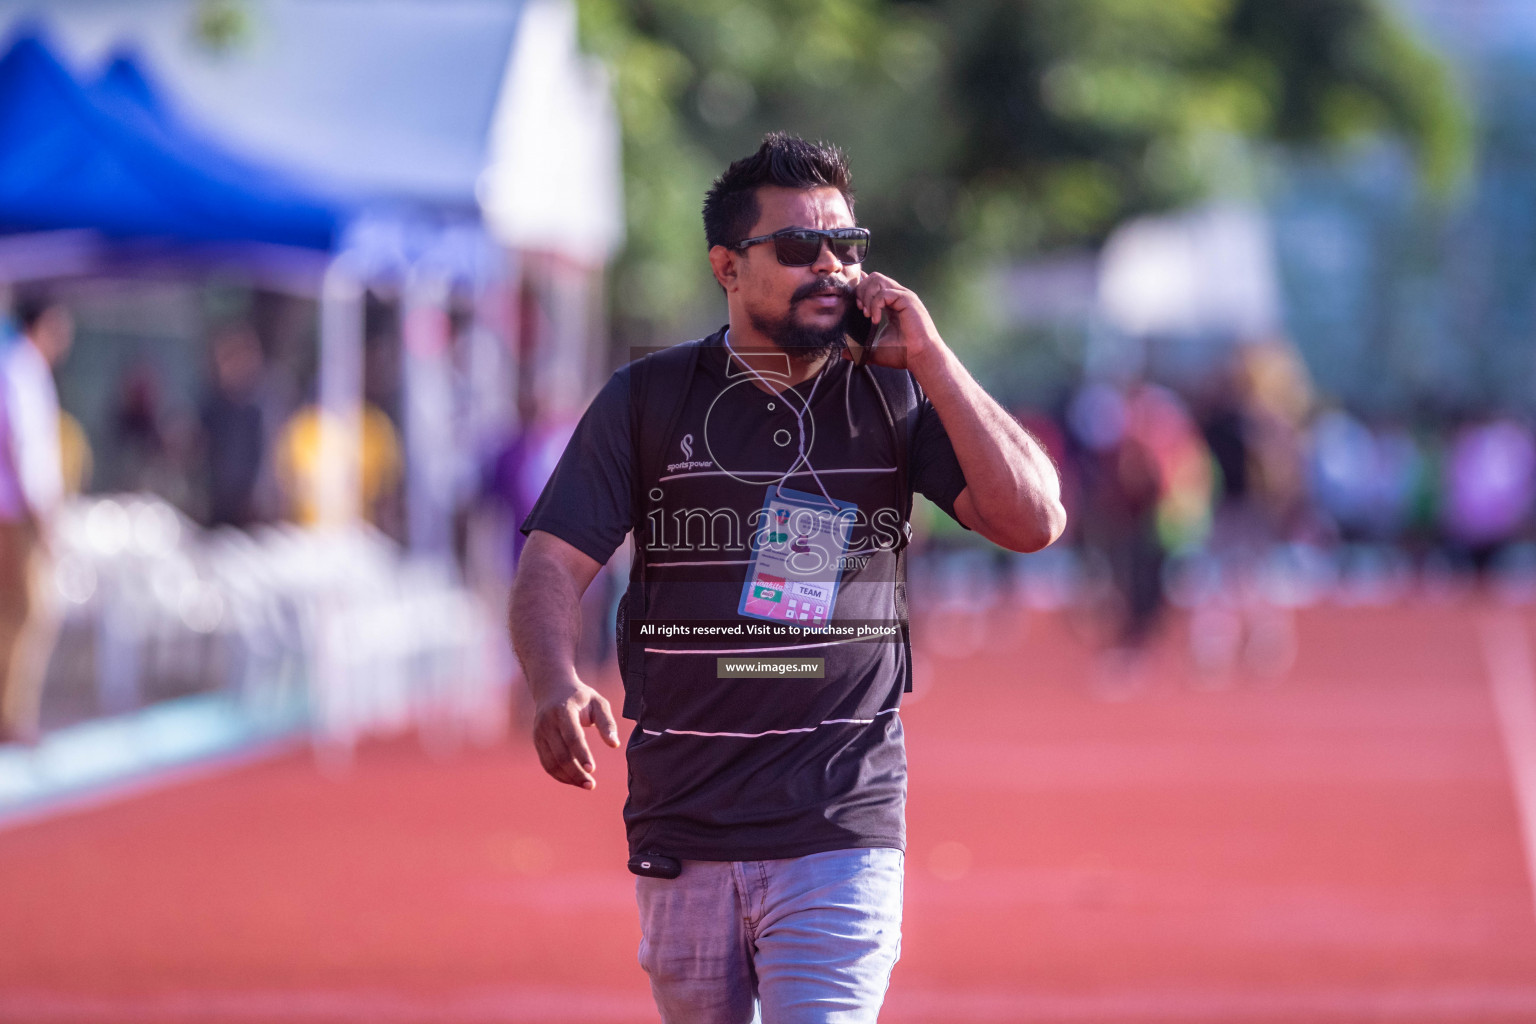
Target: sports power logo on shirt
point(688, 461)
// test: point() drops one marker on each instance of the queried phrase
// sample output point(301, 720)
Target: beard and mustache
point(800, 342)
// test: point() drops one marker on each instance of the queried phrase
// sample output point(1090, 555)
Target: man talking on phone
point(766, 476)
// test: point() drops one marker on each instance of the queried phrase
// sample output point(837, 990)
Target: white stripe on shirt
point(768, 732)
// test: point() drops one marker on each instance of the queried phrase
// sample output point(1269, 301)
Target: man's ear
point(724, 263)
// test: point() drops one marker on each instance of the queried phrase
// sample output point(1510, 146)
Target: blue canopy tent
point(108, 179)
point(113, 159)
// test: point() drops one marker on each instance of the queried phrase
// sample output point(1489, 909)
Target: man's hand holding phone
point(901, 330)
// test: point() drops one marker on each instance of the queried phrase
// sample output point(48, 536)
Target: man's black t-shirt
point(756, 768)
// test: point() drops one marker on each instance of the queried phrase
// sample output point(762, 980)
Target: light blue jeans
point(813, 939)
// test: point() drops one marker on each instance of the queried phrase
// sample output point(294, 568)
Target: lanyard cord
point(799, 421)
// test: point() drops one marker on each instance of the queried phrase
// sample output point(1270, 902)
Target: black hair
point(29, 303)
point(730, 205)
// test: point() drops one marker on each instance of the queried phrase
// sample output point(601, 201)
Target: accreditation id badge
point(798, 550)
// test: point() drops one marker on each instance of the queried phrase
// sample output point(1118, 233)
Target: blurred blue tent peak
point(112, 159)
point(124, 81)
point(128, 90)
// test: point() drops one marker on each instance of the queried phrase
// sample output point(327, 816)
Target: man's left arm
point(1012, 492)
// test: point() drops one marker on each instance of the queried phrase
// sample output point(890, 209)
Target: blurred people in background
point(1162, 422)
point(150, 443)
point(1145, 490)
point(1421, 534)
point(31, 488)
point(518, 471)
point(1345, 475)
point(1490, 487)
point(1121, 486)
point(512, 483)
point(1374, 483)
point(78, 462)
point(1250, 413)
point(1277, 406)
point(233, 428)
point(138, 443)
point(299, 451)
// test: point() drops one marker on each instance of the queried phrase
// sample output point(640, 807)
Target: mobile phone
point(863, 333)
point(654, 865)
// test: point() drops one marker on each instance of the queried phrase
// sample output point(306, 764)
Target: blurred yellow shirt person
point(76, 462)
point(299, 452)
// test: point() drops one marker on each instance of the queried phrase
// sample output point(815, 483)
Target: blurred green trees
point(984, 130)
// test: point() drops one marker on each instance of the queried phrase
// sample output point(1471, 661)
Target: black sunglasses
point(800, 247)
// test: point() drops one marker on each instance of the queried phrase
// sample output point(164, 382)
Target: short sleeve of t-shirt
point(586, 502)
point(935, 469)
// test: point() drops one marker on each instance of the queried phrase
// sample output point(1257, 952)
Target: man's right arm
point(545, 623)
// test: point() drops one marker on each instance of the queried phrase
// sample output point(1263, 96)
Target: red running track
point(1340, 845)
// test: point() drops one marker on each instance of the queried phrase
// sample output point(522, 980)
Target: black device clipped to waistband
point(654, 865)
